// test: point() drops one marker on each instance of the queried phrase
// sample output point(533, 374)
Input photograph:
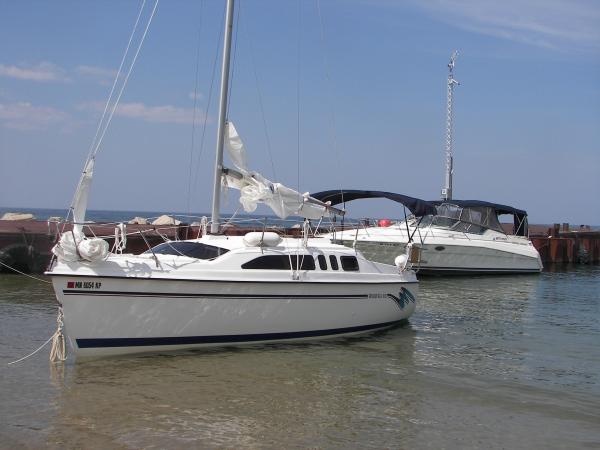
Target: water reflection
point(474, 324)
point(20, 295)
point(564, 330)
point(302, 395)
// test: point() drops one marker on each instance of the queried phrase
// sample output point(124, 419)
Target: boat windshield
point(189, 249)
point(469, 220)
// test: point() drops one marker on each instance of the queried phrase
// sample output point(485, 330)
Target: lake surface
point(486, 362)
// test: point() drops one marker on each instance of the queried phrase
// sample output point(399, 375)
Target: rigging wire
point(208, 103)
point(126, 77)
point(298, 95)
point(95, 149)
point(189, 192)
point(117, 76)
point(260, 100)
point(91, 150)
point(235, 41)
point(329, 90)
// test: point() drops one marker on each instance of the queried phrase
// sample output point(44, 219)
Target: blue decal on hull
point(404, 298)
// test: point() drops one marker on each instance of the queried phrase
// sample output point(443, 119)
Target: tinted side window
point(333, 262)
point(280, 262)
point(307, 262)
point(349, 263)
point(270, 262)
point(322, 262)
point(190, 249)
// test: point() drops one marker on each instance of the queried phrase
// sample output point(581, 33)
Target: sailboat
point(220, 290)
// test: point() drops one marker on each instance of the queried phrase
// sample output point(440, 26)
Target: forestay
point(73, 245)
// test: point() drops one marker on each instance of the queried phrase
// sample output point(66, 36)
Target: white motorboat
point(222, 290)
point(462, 236)
point(457, 237)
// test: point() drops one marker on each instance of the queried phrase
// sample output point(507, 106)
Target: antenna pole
point(216, 206)
point(447, 191)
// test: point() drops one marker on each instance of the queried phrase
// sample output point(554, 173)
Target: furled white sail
point(255, 189)
point(73, 245)
point(235, 148)
point(81, 197)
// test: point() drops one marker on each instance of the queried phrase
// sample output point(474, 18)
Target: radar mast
point(447, 190)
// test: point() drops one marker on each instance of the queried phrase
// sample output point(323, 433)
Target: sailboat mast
point(216, 214)
point(447, 190)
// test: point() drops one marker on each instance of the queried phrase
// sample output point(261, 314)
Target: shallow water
point(486, 362)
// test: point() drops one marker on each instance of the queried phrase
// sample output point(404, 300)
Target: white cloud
point(26, 117)
point(154, 114)
point(44, 72)
point(196, 95)
point(558, 24)
point(165, 114)
point(49, 72)
point(100, 74)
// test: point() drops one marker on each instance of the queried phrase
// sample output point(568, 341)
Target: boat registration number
point(84, 284)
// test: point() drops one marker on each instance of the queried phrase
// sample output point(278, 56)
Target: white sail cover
point(255, 189)
point(75, 247)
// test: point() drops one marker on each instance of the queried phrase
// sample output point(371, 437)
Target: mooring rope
point(34, 352)
point(23, 273)
point(58, 351)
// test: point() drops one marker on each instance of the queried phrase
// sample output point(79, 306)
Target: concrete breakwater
point(26, 244)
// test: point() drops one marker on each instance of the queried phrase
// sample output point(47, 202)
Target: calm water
point(505, 362)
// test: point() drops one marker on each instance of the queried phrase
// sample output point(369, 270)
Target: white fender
point(258, 238)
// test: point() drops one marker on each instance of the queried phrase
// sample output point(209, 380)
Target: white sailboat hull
point(111, 316)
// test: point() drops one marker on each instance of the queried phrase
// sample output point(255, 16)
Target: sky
point(325, 94)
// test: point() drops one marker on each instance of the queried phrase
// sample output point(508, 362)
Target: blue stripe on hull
point(224, 339)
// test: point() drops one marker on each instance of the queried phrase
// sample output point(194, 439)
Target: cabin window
point(281, 262)
point(333, 262)
point(189, 249)
point(322, 262)
point(349, 263)
point(468, 228)
point(449, 210)
point(441, 221)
